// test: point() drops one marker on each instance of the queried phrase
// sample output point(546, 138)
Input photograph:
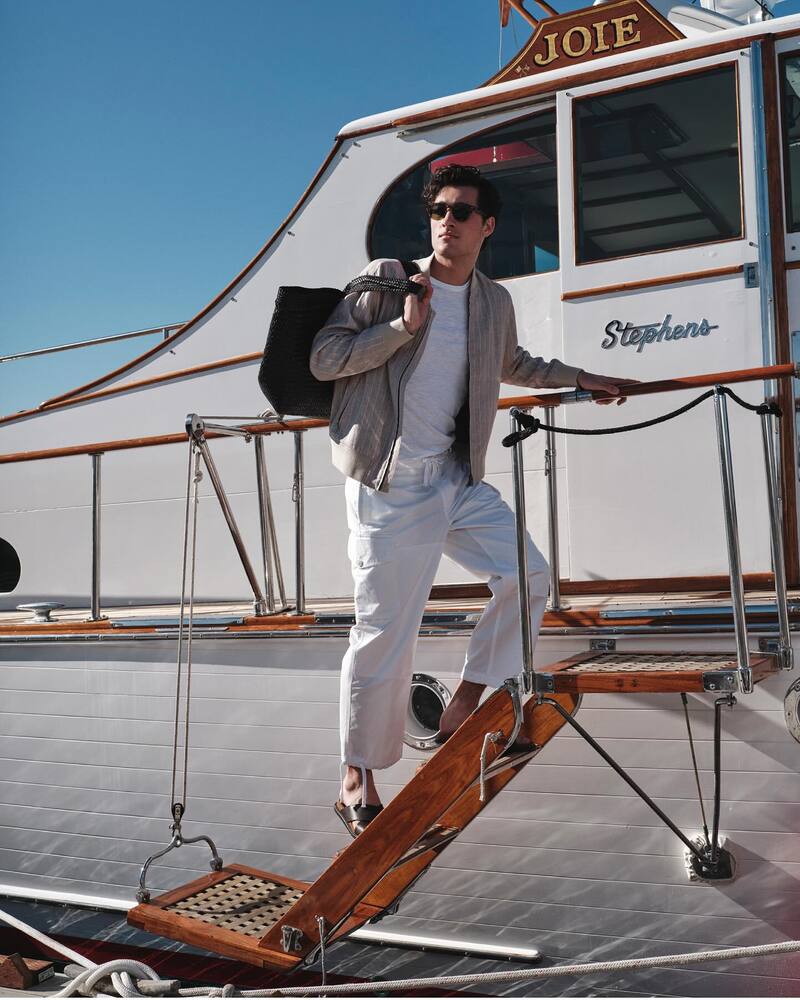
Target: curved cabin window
point(10, 568)
point(657, 166)
point(791, 139)
point(520, 159)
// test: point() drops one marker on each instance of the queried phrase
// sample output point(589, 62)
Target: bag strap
point(375, 283)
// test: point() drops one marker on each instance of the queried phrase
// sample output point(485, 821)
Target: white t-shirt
point(436, 390)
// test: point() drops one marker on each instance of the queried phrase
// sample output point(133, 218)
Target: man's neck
point(452, 272)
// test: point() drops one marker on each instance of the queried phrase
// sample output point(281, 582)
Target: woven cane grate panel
point(242, 903)
point(649, 662)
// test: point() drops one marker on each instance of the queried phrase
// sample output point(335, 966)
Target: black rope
point(532, 424)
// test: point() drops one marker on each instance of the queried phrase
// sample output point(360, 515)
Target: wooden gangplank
point(274, 921)
point(270, 920)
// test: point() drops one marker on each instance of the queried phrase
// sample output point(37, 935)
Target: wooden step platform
point(271, 920)
point(596, 672)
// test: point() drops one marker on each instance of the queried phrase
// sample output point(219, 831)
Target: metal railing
point(196, 429)
point(272, 596)
point(151, 331)
point(775, 514)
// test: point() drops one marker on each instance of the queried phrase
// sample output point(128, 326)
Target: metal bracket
point(545, 683)
point(704, 869)
point(291, 938)
point(604, 645)
point(776, 647)
point(720, 681)
point(751, 275)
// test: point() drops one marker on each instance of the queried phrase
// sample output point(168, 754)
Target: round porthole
point(426, 702)
point(10, 568)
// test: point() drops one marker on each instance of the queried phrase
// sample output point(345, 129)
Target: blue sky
point(150, 149)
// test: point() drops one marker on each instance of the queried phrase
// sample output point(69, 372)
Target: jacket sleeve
point(353, 341)
point(521, 368)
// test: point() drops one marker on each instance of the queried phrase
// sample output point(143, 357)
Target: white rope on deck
point(524, 975)
point(122, 971)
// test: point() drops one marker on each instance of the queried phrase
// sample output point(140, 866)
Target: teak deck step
point(596, 672)
point(271, 920)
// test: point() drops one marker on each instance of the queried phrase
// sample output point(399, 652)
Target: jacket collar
point(424, 264)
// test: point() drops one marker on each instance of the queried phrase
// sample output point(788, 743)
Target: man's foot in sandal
point(359, 802)
point(356, 818)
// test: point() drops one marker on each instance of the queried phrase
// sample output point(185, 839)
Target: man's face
point(452, 239)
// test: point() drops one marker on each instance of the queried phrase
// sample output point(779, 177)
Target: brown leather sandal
point(356, 818)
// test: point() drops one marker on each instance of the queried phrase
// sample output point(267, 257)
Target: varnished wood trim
point(625, 67)
point(651, 681)
point(239, 359)
point(645, 585)
point(661, 385)
point(673, 279)
point(783, 337)
point(114, 390)
point(541, 723)
point(792, 265)
point(101, 447)
point(153, 351)
point(789, 33)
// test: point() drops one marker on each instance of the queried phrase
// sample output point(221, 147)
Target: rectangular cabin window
point(791, 139)
point(657, 166)
point(519, 158)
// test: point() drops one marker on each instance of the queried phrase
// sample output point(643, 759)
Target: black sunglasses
point(462, 210)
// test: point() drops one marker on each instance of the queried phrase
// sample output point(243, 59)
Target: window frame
point(627, 86)
point(783, 58)
point(540, 107)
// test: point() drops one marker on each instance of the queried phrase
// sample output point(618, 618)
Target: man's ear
point(488, 226)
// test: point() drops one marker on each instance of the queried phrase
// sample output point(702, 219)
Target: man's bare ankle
point(353, 791)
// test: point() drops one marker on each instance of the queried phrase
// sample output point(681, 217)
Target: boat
point(648, 155)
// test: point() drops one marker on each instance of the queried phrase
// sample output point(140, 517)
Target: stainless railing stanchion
point(732, 535)
point(299, 519)
point(260, 605)
point(551, 472)
point(96, 537)
point(775, 500)
point(522, 558)
point(264, 503)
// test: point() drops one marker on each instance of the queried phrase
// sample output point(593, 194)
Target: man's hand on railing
point(588, 382)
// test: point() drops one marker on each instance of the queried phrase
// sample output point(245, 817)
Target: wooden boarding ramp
point(273, 921)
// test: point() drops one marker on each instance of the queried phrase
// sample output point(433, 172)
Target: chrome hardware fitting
point(41, 610)
point(603, 645)
point(791, 710)
point(720, 681)
point(545, 683)
point(704, 869)
point(427, 701)
point(751, 275)
point(291, 938)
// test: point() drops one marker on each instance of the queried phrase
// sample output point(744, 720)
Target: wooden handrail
point(651, 388)
point(552, 399)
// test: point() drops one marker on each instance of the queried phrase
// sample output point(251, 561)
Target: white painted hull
point(567, 860)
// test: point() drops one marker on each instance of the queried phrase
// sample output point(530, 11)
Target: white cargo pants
point(396, 543)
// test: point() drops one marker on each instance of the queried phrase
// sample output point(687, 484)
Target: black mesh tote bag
point(285, 376)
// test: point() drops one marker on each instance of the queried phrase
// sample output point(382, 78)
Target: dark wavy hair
point(457, 175)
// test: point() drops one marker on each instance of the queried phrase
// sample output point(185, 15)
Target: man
point(413, 408)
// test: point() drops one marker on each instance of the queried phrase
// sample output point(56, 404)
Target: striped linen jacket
point(366, 348)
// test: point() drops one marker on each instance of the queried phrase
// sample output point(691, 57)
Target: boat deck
point(613, 613)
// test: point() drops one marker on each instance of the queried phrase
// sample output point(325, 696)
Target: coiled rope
point(533, 424)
